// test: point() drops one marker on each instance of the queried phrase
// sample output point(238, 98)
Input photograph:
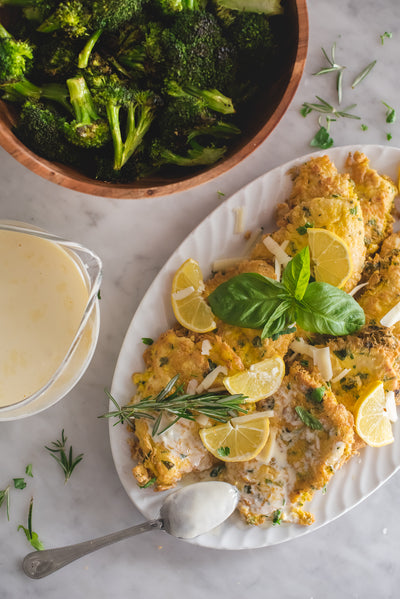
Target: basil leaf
point(247, 300)
point(297, 274)
point(308, 419)
point(328, 310)
point(279, 320)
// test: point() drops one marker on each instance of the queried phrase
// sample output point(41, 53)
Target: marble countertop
point(354, 556)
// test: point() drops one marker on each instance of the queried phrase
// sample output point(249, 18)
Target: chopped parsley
point(276, 517)
point(303, 229)
point(308, 419)
point(223, 451)
point(147, 340)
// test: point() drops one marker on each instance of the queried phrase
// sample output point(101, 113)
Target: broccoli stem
point(81, 100)
point(113, 119)
point(138, 123)
point(4, 32)
point(214, 99)
point(22, 89)
point(84, 55)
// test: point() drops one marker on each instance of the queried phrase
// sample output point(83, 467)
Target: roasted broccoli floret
point(71, 16)
point(56, 59)
point(15, 57)
point(227, 8)
point(41, 128)
point(87, 130)
point(35, 10)
point(141, 51)
point(197, 155)
point(212, 98)
point(136, 107)
point(170, 7)
point(196, 51)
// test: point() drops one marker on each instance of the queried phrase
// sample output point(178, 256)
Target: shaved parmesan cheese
point(210, 378)
point(322, 360)
point(225, 263)
point(206, 348)
point(301, 347)
point(391, 317)
point(391, 406)
point(276, 250)
point(191, 387)
point(202, 420)
point(182, 293)
point(357, 289)
point(277, 265)
point(284, 244)
point(341, 375)
point(239, 218)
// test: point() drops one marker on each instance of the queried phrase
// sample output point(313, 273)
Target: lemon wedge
point(371, 419)
point(330, 257)
point(238, 440)
point(190, 308)
point(258, 382)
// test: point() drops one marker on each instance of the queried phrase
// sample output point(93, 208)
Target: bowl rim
point(56, 173)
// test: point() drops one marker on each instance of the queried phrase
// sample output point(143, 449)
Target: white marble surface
point(355, 556)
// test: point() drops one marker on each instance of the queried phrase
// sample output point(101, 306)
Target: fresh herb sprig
point(253, 301)
point(29, 533)
point(361, 76)
point(324, 107)
point(64, 457)
point(5, 497)
point(218, 406)
point(333, 68)
point(390, 113)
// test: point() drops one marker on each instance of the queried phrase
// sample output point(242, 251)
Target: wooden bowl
point(262, 117)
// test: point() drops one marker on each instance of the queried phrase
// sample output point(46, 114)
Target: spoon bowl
point(185, 514)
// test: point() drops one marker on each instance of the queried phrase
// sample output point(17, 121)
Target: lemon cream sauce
point(43, 296)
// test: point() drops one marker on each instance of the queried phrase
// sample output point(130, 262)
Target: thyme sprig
point(64, 458)
point(324, 107)
point(218, 406)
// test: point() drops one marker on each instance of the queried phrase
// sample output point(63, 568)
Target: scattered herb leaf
point(308, 419)
point(29, 533)
point(303, 229)
point(149, 483)
point(364, 127)
point(390, 113)
point(389, 136)
point(386, 35)
point(19, 483)
point(322, 139)
point(28, 470)
point(363, 74)
point(316, 395)
point(221, 193)
point(147, 340)
point(305, 110)
point(5, 497)
point(63, 457)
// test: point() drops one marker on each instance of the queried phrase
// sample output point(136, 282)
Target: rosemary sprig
point(363, 74)
point(63, 458)
point(333, 66)
point(324, 107)
point(218, 406)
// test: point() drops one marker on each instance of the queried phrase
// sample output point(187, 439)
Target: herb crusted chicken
point(269, 311)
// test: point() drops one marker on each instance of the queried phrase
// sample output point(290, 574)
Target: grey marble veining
point(353, 557)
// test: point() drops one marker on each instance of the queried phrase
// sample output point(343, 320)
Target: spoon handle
point(42, 563)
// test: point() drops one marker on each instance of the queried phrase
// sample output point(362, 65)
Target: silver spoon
point(185, 514)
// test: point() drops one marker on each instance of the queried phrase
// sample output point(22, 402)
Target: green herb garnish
point(253, 301)
point(29, 533)
point(389, 136)
point(223, 451)
point(147, 340)
point(149, 483)
point(322, 139)
point(28, 470)
point(63, 457)
point(276, 517)
point(303, 229)
point(333, 68)
point(390, 113)
point(386, 35)
point(19, 483)
point(218, 406)
point(324, 107)
point(363, 74)
point(316, 395)
point(364, 127)
point(5, 497)
point(308, 419)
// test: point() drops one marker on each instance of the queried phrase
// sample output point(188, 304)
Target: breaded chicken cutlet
point(301, 458)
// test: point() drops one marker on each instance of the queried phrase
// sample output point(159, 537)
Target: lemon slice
point(330, 257)
point(238, 440)
point(190, 308)
point(371, 419)
point(258, 382)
